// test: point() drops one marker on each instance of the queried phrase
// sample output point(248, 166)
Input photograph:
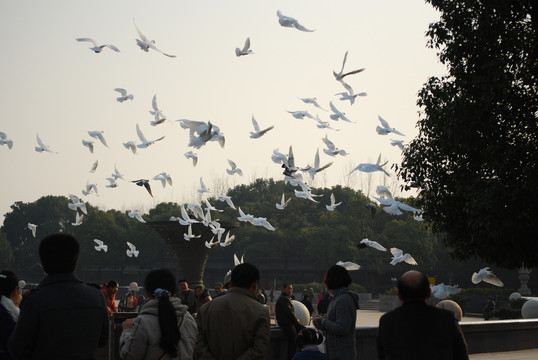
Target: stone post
point(524, 279)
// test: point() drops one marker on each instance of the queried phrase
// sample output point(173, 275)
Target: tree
point(475, 159)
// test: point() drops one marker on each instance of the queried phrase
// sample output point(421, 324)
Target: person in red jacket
point(109, 291)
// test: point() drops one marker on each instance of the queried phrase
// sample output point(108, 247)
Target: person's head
point(337, 277)
point(183, 285)
point(59, 253)
point(199, 290)
point(218, 288)
point(245, 276)
point(287, 289)
point(112, 286)
point(308, 336)
point(413, 286)
point(9, 284)
point(160, 284)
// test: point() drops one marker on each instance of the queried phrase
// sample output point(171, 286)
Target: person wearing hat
point(225, 286)
point(129, 302)
point(488, 309)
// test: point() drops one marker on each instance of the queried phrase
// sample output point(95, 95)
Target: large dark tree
point(474, 160)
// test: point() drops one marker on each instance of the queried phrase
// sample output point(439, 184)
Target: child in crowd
point(308, 340)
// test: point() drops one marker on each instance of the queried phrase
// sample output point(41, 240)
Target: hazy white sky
point(55, 86)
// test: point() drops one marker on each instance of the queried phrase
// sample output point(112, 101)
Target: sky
point(56, 87)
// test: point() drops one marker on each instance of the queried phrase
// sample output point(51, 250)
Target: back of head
point(59, 253)
point(308, 336)
point(161, 284)
point(413, 286)
point(337, 277)
point(111, 284)
point(8, 282)
point(244, 275)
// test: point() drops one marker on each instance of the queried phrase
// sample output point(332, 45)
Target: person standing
point(164, 328)
point(488, 309)
point(249, 335)
point(339, 323)
point(416, 330)
point(286, 319)
point(63, 318)
point(187, 296)
point(10, 294)
point(201, 296)
point(109, 292)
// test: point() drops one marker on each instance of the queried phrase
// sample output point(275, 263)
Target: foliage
point(7, 258)
point(475, 158)
point(511, 311)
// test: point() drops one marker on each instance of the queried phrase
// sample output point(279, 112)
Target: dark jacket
point(285, 312)
point(7, 325)
point(187, 298)
point(62, 319)
point(418, 331)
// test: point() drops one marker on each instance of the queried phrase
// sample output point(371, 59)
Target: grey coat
point(339, 325)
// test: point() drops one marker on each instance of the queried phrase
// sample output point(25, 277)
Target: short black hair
point(182, 280)
point(59, 253)
point(8, 282)
point(111, 284)
point(244, 275)
point(337, 277)
point(285, 285)
point(413, 290)
point(160, 278)
point(308, 336)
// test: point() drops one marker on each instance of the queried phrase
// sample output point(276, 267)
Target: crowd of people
point(65, 318)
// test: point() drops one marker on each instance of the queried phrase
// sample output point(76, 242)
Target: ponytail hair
point(308, 336)
point(161, 284)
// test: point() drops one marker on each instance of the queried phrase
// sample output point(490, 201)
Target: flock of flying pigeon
point(200, 133)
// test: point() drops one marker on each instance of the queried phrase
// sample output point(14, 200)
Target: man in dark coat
point(63, 318)
point(286, 319)
point(416, 330)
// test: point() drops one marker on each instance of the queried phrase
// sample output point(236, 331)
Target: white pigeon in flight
point(245, 50)
point(135, 214)
point(145, 142)
point(111, 183)
point(332, 150)
point(305, 195)
point(234, 169)
point(261, 221)
point(337, 114)
point(188, 235)
point(203, 188)
point(100, 245)
point(288, 21)
point(42, 147)
point(124, 96)
point(313, 170)
point(442, 291)
point(165, 178)
point(156, 112)
point(368, 167)
point(300, 114)
point(97, 134)
point(33, 228)
point(227, 240)
point(385, 128)
point(324, 124)
point(244, 217)
point(237, 261)
point(96, 47)
point(89, 189)
point(398, 256)
point(312, 101)
point(193, 156)
point(488, 276)
point(383, 191)
point(5, 141)
point(94, 166)
point(185, 219)
point(398, 143)
point(257, 132)
point(283, 202)
point(373, 244)
point(88, 144)
point(341, 75)
point(117, 175)
point(212, 243)
point(333, 204)
point(78, 219)
point(348, 265)
point(132, 250)
point(228, 200)
point(350, 96)
point(77, 203)
point(395, 207)
point(130, 145)
point(146, 44)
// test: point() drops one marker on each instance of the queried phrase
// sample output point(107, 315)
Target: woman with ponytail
point(163, 329)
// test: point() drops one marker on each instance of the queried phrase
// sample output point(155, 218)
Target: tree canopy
point(475, 157)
